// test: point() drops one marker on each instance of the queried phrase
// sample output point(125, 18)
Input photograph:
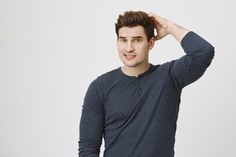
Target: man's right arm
point(92, 122)
point(199, 52)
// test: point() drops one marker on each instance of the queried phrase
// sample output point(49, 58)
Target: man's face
point(133, 46)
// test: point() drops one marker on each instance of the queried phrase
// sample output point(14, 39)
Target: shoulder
point(114, 73)
point(164, 67)
point(106, 78)
point(102, 83)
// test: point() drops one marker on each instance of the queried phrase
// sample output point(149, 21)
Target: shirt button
point(139, 91)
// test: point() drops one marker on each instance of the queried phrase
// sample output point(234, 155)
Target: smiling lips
point(129, 56)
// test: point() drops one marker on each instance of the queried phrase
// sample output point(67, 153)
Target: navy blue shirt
point(137, 115)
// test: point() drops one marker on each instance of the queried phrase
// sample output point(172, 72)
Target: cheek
point(143, 49)
point(120, 51)
point(119, 47)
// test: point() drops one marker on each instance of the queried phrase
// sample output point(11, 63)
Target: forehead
point(132, 31)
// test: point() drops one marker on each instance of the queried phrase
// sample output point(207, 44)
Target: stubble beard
point(133, 64)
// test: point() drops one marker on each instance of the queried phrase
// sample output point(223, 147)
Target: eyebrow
point(134, 37)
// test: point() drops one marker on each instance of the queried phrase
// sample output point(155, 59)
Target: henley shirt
point(137, 116)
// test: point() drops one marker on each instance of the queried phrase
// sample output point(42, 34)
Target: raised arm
point(199, 52)
point(165, 27)
point(92, 122)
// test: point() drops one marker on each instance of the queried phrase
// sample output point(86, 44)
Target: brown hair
point(135, 18)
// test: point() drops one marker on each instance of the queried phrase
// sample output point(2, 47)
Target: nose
point(129, 47)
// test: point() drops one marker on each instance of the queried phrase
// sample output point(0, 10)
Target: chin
point(135, 64)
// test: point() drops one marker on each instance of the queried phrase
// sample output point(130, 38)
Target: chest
point(131, 97)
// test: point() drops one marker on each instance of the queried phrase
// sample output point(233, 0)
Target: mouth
point(129, 57)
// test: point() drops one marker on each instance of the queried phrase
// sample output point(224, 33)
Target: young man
point(135, 107)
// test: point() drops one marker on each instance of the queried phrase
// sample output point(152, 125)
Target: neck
point(135, 71)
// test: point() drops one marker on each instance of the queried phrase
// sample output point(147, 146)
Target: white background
point(50, 51)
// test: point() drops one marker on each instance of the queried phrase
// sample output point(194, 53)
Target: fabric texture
point(137, 116)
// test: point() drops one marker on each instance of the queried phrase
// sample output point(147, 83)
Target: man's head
point(135, 37)
point(136, 18)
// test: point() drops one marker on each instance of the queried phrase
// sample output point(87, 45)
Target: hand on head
point(161, 25)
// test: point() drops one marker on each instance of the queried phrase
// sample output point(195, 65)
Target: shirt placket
point(139, 89)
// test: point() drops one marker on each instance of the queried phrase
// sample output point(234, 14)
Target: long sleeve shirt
point(137, 116)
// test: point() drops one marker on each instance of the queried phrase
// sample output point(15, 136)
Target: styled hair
point(135, 18)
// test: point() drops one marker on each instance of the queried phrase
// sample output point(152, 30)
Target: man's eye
point(123, 40)
point(137, 40)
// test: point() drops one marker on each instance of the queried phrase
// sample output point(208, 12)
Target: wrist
point(170, 26)
point(177, 31)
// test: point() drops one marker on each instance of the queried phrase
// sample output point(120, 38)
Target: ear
point(151, 43)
